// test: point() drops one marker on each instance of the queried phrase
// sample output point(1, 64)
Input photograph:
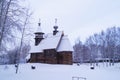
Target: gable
point(64, 45)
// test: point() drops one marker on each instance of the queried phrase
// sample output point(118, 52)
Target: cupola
point(39, 35)
point(55, 28)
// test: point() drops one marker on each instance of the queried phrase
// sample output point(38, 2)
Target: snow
point(28, 57)
point(65, 44)
point(52, 42)
point(36, 49)
point(59, 72)
point(49, 42)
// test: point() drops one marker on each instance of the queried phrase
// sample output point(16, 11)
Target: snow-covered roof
point(49, 42)
point(35, 49)
point(58, 42)
point(65, 44)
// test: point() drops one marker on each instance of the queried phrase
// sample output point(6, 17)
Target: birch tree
point(13, 19)
point(26, 21)
point(10, 21)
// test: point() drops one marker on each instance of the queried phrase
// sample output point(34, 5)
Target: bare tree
point(10, 20)
point(77, 51)
point(81, 52)
point(103, 46)
point(13, 19)
point(27, 16)
point(3, 18)
point(13, 54)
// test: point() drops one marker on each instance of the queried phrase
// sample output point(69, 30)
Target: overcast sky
point(77, 18)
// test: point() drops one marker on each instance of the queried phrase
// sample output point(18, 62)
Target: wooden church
point(51, 48)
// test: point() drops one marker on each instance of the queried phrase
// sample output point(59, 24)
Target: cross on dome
point(39, 26)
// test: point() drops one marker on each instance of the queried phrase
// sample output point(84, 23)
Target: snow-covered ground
point(59, 72)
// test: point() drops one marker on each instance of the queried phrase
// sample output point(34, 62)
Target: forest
point(100, 47)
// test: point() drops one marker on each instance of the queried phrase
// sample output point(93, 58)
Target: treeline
point(100, 47)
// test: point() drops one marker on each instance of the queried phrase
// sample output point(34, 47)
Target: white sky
point(77, 18)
